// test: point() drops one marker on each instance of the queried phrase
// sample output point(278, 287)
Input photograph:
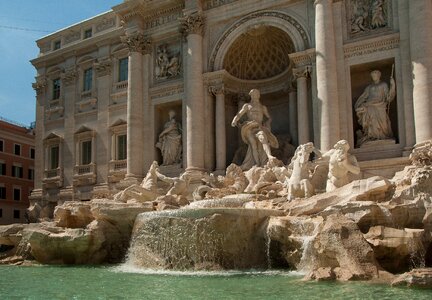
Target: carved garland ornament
point(137, 42)
point(192, 24)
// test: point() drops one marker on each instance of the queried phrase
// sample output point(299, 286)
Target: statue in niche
point(166, 66)
point(256, 132)
point(170, 141)
point(372, 109)
point(378, 18)
point(340, 164)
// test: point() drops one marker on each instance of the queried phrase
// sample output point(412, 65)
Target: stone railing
point(53, 178)
point(84, 169)
point(52, 173)
point(117, 165)
point(122, 85)
point(86, 94)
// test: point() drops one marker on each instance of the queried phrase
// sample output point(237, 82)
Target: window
point(123, 69)
point(2, 168)
point(16, 214)
point(121, 147)
point(31, 174)
point(32, 153)
point(56, 88)
point(57, 45)
point(2, 192)
point(1, 145)
point(88, 77)
point(1, 213)
point(86, 152)
point(17, 171)
point(54, 157)
point(88, 33)
point(17, 149)
point(17, 194)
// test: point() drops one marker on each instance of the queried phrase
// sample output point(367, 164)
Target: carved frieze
point(168, 62)
point(72, 37)
point(366, 17)
point(137, 42)
point(192, 24)
point(377, 45)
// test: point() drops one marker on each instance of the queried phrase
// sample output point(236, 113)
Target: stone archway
point(282, 21)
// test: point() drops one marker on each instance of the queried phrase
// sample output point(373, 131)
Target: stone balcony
point(84, 174)
point(53, 178)
point(116, 170)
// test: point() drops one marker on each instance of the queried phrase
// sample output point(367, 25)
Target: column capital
point(325, 1)
point(137, 42)
point(217, 89)
point(40, 84)
point(301, 72)
point(192, 24)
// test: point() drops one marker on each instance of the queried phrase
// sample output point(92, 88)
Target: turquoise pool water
point(47, 282)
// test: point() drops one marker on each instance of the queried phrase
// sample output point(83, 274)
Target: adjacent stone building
point(120, 90)
point(17, 155)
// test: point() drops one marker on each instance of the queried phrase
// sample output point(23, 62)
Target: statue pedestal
point(377, 144)
point(171, 170)
point(380, 149)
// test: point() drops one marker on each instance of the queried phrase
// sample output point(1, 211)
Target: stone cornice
point(378, 44)
point(137, 42)
point(304, 58)
point(192, 24)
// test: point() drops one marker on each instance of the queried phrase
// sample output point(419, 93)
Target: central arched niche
point(260, 53)
point(259, 58)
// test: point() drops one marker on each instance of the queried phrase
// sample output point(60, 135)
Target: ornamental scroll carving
point(192, 24)
point(137, 42)
point(103, 67)
point(39, 85)
point(69, 75)
point(367, 16)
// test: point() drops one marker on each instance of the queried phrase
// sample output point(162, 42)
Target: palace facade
point(109, 88)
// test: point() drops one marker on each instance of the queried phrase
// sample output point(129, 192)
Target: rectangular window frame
point(32, 153)
point(87, 79)
point(19, 190)
point(2, 168)
point(123, 66)
point(88, 33)
point(56, 45)
point(17, 214)
point(121, 146)
point(17, 146)
point(3, 192)
point(30, 174)
point(2, 143)
point(56, 88)
point(86, 157)
point(54, 158)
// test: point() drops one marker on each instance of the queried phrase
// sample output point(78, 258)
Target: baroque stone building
point(122, 89)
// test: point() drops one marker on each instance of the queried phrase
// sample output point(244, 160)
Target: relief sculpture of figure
point(378, 18)
point(170, 141)
point(166, 66)
point(256, 132)
point(340, 164)
point(372, 110)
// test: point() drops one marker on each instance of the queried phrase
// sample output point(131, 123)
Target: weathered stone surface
point(376, 189)
point(73, 214)
point(197, 238)
point(397, 250)
point(340, 245)
point(415, 278)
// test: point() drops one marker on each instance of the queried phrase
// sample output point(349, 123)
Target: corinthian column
point(326, 69)
point(192, 27)
point(301, 76)
point(220, 128)
point(420, 15)
point(138, 46)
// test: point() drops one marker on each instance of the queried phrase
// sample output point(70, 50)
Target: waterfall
point(307, 257)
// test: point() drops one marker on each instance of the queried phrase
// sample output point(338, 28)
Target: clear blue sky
point(17, 47)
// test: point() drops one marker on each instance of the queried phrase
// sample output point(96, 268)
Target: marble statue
point(179, 185)
point(299, 184)
point(170, 141)
point(256, 132)
point(146, 191)
point(372, 110)
point(166, 66)
point(340, 164)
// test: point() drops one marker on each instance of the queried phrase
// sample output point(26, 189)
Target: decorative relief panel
point(168, 61)
point(365, 17)
point(72, 37)
point(105, 24)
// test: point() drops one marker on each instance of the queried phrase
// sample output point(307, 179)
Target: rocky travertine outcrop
point(94, 232)
point(415, 278)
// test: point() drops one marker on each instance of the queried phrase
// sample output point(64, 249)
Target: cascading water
point(205, 238)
